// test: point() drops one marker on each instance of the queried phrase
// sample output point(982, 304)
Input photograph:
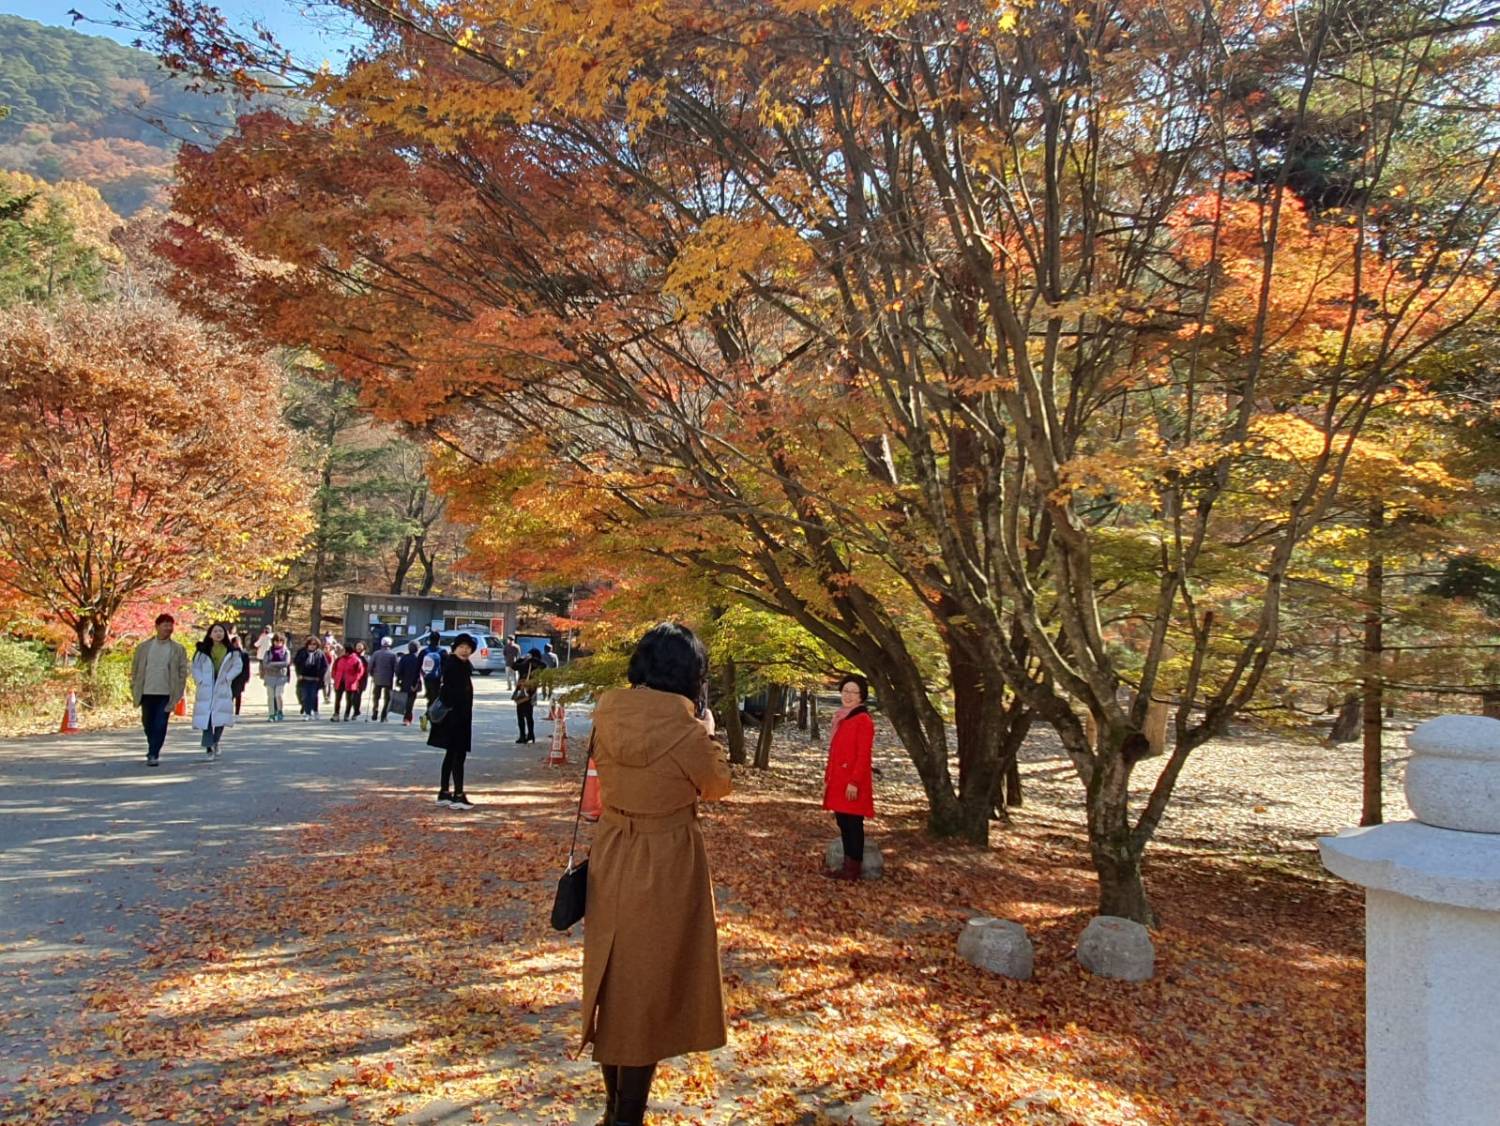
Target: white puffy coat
point(214, 704)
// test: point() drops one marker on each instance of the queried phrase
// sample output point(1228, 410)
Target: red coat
point(350, 672)
point(849, 761)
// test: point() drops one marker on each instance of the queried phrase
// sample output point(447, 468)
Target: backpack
point(431, 665)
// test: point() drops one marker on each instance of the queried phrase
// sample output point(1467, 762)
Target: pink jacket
point(350, 672)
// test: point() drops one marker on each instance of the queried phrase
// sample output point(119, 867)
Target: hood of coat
point(637, 726)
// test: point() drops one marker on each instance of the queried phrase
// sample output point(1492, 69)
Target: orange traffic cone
point(181, 708)
point(70, 716)
point(592, 805)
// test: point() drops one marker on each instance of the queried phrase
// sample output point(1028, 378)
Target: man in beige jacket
point(158, 677)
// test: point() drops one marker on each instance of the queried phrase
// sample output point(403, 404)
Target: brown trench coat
point(651, 985)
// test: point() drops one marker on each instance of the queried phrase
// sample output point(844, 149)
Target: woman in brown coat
point(651, 986)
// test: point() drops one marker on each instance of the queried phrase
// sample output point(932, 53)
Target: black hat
point(465, 639)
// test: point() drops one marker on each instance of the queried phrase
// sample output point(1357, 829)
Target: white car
point(488, 657)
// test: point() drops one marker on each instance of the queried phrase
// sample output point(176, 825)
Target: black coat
point(456, 731)
point(310, 664)
point(409, 672)
point(242, 678)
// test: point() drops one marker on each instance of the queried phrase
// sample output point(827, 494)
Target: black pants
point(307, 696)
point(526, 721)
point(411, 703)
point(453, 770)
point(352, 697)
point(156, 713)
point(852, 830)
point(382, 693)
point(430, 686)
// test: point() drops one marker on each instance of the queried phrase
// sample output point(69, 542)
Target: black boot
point(611, 1092)
point(634, 1091)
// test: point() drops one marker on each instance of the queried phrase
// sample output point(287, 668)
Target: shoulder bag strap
point(578, 817)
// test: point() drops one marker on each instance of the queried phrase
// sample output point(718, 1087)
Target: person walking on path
point(333, 651)
point(409, 679)
point(158, 678)
point(383, 677)
point(549, 658)
point(311, 666)
point(263, 642)
point(512, 655)
point(349, 676)
point(527, 670)
point(237, 643)
point(216, 665)
point(275, 670)
point(432, 671)
point(848, 779)
point(453, 729)
point(651, 977)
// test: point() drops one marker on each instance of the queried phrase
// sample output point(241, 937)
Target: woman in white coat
point(216, 664)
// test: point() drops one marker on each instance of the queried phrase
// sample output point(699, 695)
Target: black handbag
point(573, 887)
point(438, 711)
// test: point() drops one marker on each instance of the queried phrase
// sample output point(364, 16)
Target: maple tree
point(121, 479)
point(1031, 323)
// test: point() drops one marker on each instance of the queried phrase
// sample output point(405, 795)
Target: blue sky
point(311, 30)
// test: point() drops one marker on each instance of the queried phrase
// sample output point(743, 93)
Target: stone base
point(1119, 948)
point(1432, 942)
point(874, 865)
point(997, 945)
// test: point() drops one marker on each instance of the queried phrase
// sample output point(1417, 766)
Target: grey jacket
point(383, 667)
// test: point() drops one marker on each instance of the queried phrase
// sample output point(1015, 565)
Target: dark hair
point(670, 658)
point(165, 618)
point(412, 646)
point(464, 639)
point(207, 644)
point(861, 683)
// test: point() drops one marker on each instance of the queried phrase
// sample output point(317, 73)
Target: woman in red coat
point(847, 782)
point(349, 675)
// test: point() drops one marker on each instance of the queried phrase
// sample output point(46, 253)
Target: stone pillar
point(1432, 933)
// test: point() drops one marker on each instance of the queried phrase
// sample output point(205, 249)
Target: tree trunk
point(1122, 890)
point(814, 732)
point(1490, 704)
point(1112, 845)
point(775, 696)
point(406, 555)
point(1014, 799)
point(729, 694)
point(429, 570)
point(1347, 726)
point(802, 709)
point(91, 635)
point(988, 731)
point(1374, 684)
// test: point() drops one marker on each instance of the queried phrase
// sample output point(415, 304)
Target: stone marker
point(1432, 933)
point(997, 945)
point(1114, 947)
point(874, 865)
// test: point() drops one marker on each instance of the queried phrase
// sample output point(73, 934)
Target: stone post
point(1432, 933)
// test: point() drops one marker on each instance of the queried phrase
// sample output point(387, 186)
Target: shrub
point(109, 686)
point(24, 666)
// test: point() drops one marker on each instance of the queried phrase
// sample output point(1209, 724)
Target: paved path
point(89, 835)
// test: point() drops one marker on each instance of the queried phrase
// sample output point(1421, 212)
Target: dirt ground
point(1252, 791)
point(389, 961)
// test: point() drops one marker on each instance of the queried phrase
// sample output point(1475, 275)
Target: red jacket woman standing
point(848, 782)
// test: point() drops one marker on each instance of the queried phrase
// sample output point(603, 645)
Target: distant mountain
point(87, 108)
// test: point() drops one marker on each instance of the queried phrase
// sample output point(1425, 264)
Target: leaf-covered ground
point(394, 964)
